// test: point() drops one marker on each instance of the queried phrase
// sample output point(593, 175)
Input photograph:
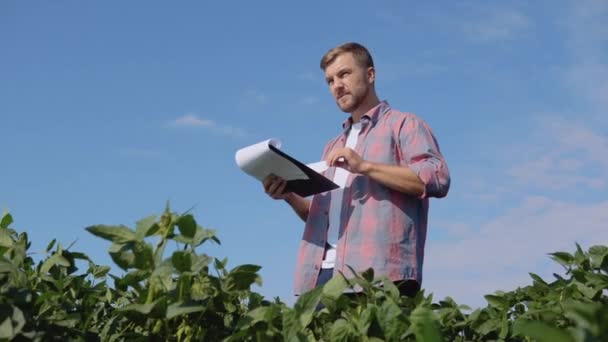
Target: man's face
point(348, 82)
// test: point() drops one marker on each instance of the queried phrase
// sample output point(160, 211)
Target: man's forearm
point(398, 178)
point(299, 204)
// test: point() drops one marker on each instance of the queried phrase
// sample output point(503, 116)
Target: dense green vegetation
point(186, 295)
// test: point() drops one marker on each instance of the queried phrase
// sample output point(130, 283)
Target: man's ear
point(371, 75)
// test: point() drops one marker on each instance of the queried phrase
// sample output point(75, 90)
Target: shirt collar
point(372, 115)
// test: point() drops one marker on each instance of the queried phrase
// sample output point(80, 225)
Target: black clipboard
point(316, 182)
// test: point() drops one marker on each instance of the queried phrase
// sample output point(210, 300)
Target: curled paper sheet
point(259, 160)
point(320, 166)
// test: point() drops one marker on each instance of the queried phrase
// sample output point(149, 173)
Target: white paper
point(319, 166)
point(259, 161)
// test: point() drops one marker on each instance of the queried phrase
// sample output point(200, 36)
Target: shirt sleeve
point(421, 154)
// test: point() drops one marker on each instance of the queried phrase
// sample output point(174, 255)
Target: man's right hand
point(274, 186)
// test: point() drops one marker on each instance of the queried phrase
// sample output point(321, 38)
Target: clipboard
point(265, 158)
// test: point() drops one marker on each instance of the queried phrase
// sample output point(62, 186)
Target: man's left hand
point(348, 159)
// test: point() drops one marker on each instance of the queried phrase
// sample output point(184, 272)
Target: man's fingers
point(335, 157)
point(275, 189)
point(269, 182)
point(280, 189)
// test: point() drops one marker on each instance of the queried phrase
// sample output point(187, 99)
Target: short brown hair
point(360, 53)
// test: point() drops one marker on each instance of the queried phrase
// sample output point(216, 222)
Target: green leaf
point(368, 275)
point(391, 288)
point(258, 314)
point(141, 308)
point(146, 227)
point(590, 316)
point(132, 278)
point(50, 245)
point(334, 287)
point(122, 255)
point(100, 271)
point(6, 329)
point(307, 303)
point(6, 240)
point(18, 320)
point(340, 330)
point(116, 234)
point(181, 308)
point(424, 326)
point(586, 290)
point(497, 301)
point(598, 255)
point(187, 226)
point(200, 261)
point(541, 331)
point(144, 256)
point(537, 278)
point(163, 276)
point(504, 327)
point(203, 235)
point(242, 277)
point(108, 327)
point(81, 256)
point(55, 259)
point(562, 258)
point(391, 320)
point(491, 324)
point(182, 261)
point(6, 221)
point(292, 329)
point(599, 281)
point(220, 264)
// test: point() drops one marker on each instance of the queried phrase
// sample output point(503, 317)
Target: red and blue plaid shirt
point(380, 228)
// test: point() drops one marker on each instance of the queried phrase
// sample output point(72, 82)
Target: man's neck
point(370, 103)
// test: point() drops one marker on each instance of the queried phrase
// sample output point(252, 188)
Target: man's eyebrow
point(338, 72)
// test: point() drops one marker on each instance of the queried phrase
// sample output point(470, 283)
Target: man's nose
point(337, 85)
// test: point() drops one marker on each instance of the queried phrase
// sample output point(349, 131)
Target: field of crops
point(186, 295)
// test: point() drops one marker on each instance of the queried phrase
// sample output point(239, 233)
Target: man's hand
point(348, 159)
point(274, 186)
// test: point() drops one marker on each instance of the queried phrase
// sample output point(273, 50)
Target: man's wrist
point(288, 197)
point(366, 167)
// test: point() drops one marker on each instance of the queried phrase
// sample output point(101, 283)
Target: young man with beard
point(388, 165)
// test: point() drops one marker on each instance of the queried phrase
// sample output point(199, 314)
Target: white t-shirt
point(335, 207)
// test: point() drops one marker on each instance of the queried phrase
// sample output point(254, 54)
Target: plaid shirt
point(380, 228)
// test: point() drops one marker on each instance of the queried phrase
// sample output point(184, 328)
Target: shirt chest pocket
point(380, 147)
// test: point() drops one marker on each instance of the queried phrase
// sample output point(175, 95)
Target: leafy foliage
point(185, 295)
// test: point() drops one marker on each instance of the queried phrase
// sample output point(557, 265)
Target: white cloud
point(514, 243)
point(562, 155)
point(551, 194)
point(497, 25)
point(193, 120)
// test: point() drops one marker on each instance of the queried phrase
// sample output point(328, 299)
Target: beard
point(349, 102)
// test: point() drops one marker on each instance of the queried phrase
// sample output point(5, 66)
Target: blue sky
point(109, 109)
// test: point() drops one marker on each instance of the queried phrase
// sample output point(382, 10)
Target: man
point(388, 164)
